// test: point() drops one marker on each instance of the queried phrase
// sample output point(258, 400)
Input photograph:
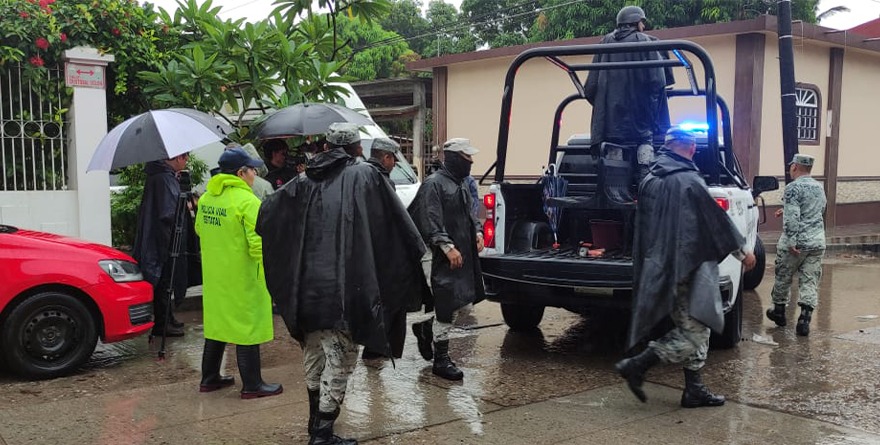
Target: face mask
point(457, 165)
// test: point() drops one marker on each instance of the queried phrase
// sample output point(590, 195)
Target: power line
point(467, 24)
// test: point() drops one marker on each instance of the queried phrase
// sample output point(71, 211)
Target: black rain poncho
point(629, 106)
point(155, 226)
point(442, 212)
point(681, 232)
point(338, 246)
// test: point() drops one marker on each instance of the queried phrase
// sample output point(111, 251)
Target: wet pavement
point(553, 386)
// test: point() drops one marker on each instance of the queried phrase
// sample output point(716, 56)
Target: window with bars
point(808, 103)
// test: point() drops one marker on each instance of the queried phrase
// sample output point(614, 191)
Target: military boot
point(323, 434)
point(777, 314)
point(314, 401)
point(803, 323)
point(212, 359)
point(424, 333)
point(443, 365)
point(633, 369)
point(696, 394)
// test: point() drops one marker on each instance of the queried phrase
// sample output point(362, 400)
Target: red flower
point(23, 14)
point(42, 43)
point(115, 31)
point(44, 3)
point(63, 37)
point(36, 61)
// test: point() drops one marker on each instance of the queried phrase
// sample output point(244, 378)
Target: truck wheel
point(732, 326)
point(752, 279)
point(49, 334)
point(522, 317)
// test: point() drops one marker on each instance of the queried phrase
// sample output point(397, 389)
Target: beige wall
point(811, 64)
point(859, 147)
point(474, 105)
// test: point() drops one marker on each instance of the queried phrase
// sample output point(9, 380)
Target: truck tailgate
point(559, 268)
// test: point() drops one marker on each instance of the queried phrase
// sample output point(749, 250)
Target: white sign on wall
point(89, 76)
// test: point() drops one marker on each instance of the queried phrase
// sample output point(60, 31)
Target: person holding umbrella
point(155, 224)
point(336, 243)
point(237, 307)
point(442, 212)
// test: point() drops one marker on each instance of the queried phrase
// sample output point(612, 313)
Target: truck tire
point(522, 317)
point(48, 335)
point(752, 279)
point(732, 334)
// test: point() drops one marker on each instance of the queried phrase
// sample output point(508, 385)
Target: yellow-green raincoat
point(237, 307)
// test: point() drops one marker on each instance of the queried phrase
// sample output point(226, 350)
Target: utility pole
point(786, 79)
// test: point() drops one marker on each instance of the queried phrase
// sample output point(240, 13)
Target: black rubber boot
point(443, 365)
point(314, 401)
point(370, 355)
point(803, 323)
point(424, 333)
point(176, 323)
point(212, 358)
point(696, 394)
point(252, 384)
point(323, 434)
point(633, 369)
point(777, 314)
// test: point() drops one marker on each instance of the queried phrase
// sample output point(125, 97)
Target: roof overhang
point(762, 24)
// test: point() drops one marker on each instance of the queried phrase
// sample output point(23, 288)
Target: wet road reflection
point(552, 385)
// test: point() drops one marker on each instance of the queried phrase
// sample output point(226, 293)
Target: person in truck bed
point(629, 106)
point(681, 236)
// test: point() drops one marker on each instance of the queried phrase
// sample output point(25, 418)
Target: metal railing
point(33, 130)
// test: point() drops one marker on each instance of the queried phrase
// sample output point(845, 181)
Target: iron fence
point(33, 129)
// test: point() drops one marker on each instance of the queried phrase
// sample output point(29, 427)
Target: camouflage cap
point(343, 133)
point(677, 133)
point(802, 159)
point(461, 145)
point(385, 144)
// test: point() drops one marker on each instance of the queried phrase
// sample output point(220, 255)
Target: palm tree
point(828, 13)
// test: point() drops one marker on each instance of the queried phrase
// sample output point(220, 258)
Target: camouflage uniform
point(329, 358)
point(688, 343)
point(804, 229)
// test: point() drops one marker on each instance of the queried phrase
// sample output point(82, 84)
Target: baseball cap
point(343, 133)
point(679, 134)
point(802, 159)
point(385, 144)
point(460, 145)
point(235, 158)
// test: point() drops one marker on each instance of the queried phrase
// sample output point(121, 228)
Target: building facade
point(836, 74)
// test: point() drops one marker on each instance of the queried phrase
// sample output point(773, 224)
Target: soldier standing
point(801, 245)
point(681, 236)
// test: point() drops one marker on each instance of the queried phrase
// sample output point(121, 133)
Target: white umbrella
point(157, 135)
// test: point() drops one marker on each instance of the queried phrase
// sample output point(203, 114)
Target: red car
point(58, 295)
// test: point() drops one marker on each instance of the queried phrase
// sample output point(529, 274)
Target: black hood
point(623, 32)
point(157, 167)
point(327, 163)
point(669, 163)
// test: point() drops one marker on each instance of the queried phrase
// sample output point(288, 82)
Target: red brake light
point(723, 203)
point(489, 233)
point(489, 200)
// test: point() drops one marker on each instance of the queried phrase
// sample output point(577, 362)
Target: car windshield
point(403, 173)
point(7, 229)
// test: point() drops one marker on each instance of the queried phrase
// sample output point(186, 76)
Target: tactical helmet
point(630, 14)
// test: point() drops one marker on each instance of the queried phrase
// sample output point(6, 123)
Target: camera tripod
point(175, 251)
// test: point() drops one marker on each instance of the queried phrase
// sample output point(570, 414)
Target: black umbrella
point(156, 135)
point(307, 119)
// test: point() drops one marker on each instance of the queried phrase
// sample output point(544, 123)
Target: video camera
point(184, 177)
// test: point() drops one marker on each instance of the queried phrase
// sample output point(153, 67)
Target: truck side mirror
point(763, 184)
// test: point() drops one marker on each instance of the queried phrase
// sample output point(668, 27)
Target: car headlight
point(121, 271)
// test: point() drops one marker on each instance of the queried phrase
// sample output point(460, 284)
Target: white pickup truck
point(526, 268)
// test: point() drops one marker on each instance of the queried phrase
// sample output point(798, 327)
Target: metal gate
point(33, 130)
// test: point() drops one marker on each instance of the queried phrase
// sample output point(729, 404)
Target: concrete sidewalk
point(860, 239)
